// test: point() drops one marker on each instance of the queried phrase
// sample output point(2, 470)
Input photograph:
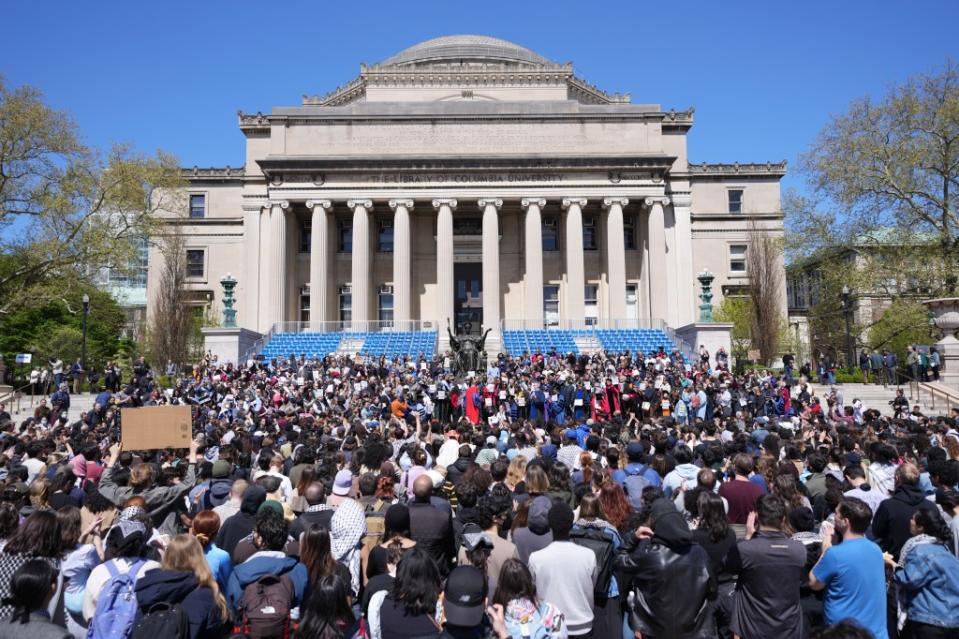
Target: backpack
point(265, 607)
point(546, 623)
point(597, 541)
point(162, 621)
point(117, 606)
point(375, 525)
point(634, 485)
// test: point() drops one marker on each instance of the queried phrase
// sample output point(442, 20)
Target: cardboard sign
point(156, 427)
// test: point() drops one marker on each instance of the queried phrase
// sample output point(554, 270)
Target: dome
point(465, 47)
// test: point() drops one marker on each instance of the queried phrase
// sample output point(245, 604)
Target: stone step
point(877, 396)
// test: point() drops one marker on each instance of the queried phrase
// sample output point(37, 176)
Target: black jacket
point(891, 523)
point(770, 568)
point(302, 523)
point(672, 590)
point(175, 587)
point(432, 529)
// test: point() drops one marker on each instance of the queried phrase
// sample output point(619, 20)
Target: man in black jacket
point(431, 527)
point(672, 588)
point(317, 512)
point(890, 525)
point(770, 568)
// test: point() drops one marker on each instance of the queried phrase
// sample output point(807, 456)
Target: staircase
point(877, 396)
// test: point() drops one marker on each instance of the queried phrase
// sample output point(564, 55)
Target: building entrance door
point(468, 305)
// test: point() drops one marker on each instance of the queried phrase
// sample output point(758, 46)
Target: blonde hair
point(537, 483)
point(185, 553)
point(516, 471)
point(39, 492)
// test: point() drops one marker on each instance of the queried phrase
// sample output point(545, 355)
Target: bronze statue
point(469, 352)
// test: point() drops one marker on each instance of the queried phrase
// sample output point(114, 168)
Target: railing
point(917, 387)
point(15, 397)
point(357, 326)
point(257, 345)
point(584, 326)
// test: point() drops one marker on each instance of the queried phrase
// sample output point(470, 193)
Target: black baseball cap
point(465, 597)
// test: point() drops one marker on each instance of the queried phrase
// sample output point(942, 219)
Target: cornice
point(777, 169)
point(213, 173)
point(682, 120)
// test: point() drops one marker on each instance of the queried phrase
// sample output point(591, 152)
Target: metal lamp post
point(83, 347)
point(847, 314)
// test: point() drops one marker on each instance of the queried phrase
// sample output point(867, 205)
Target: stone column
point(265, 298)
point(361, 263)
point(319, 274)
point(444, 261)
point(250, 291)
point(401, 261)
point(491, 311)
point(533, 312)
point(616, 256)
point(657, 257)
point(278, 275)
point(575, 269)
point(686, 313)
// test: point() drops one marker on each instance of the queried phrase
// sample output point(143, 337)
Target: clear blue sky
point(763, 76)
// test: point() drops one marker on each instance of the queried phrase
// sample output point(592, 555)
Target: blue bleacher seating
point(375, 344)
point(644, 340)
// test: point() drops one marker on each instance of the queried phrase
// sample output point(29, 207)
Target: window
point(591, 297)
point(346, 303)
point(589, 233)
point(306, 236)
point(386, 303)
point(632, 302)
point(345, 236)
point(735, 200)
point(550, 237)
point(629, 232)
point(305, 305)
point(551, 305)
point(384, 239)
point(197, 205)
point(195, 266)
point(737, 258)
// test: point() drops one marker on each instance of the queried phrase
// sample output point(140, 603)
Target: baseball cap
point(635, 449)
point(464, 596)
point(342, 483)
point(548, 451)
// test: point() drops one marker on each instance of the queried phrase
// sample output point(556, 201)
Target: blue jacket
point(267, 563)
point(633, 468)
point(930, 580)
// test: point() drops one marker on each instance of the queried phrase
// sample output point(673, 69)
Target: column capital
point(615, 201)
point(366, 204)
point(283, 204)
point(495, 203)
point(574, 201)
point(323, 204)
point(527, 202)
point(650, 201)
point(394, 204)
point(439, 202)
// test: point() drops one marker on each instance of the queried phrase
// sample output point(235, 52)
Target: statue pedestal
point(945, 312)
point(228, 344)
point(710, 334)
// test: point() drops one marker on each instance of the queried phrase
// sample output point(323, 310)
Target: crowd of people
point(607, 495)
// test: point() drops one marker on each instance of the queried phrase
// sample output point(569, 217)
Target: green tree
point(901, 325)
point(737, 311)
point(75, 209)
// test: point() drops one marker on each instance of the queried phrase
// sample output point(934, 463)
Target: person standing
point(740, 493)
point(769, 565)
point(852, 573)
point(875, 363)
point(565, 573)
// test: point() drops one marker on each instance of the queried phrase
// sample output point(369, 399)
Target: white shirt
point(565, 574)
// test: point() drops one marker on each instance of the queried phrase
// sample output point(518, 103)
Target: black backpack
point(596, 540)
point(162, 621)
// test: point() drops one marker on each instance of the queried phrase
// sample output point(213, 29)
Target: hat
point(491, 440)
point(570, 433)
point(853, 459)
point(474, 537)
point(397, 518)
point(464, 596)
point(548, 451)
point(634, 449)
point(221, 469)
point(271, 504)
point(343, 483)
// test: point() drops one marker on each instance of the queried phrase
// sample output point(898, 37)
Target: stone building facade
point(468, 178)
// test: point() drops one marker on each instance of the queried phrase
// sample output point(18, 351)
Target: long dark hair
point(315, 553)
point(327, 613)
point(933, 524)
point(515, 582)
point(29, 588)
point(417, 584)
point(712, 516)
point(39, 535)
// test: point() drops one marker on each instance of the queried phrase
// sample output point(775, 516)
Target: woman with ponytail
point(32, 587)
point(205, 526)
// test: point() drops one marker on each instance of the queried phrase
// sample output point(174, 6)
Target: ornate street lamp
point(706, 308)
point(229, 313)
point(83, 347)
point(847, 314)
